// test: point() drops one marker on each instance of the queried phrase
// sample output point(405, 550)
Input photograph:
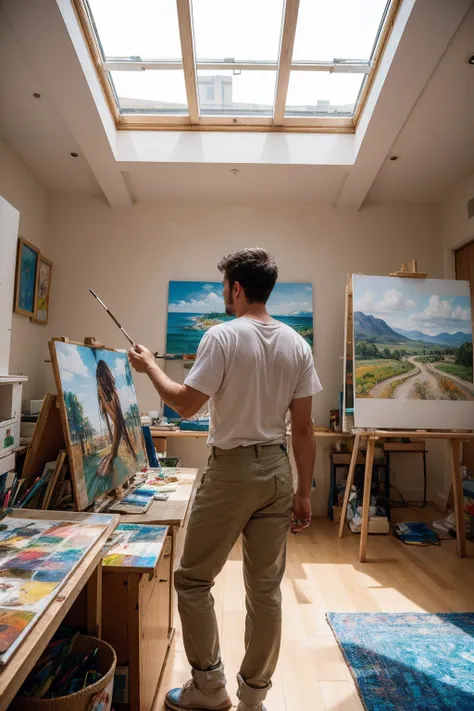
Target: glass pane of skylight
point(238, 29)
point(137, 28)
point(236, 93)
point(152, 91)
point(322, 94)
point(339, 29)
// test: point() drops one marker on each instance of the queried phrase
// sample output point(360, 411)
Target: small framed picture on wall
point(43, 289)
point(26, 273)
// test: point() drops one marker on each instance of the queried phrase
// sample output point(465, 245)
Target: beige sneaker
point(250, 698)
point(206, 691)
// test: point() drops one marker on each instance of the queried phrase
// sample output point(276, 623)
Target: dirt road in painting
point(424, 376)
point(380, 387)
point(422, 383)
point(463, 384)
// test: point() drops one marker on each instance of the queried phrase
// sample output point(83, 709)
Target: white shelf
point(13, 378)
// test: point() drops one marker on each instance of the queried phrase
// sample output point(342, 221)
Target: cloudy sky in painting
point(431, 306)
point(201, 297)
point(77, 367)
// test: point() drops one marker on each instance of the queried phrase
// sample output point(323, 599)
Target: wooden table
point(140, 636)
point(182, 434)
point(172, 513)
point(87, 575)
point(454, 438)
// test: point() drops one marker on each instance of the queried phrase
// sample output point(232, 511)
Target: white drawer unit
point(10, 412)
point(9, 436)
point(7, 463)
point(10, 400)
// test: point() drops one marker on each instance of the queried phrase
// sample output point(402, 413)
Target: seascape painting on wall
point(26, 268)
point(412, 349)
point(195, 306)
point(100, 416)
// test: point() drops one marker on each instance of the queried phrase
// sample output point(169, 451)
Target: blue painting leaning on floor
point(195, 306)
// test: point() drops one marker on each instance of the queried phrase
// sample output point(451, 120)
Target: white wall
point(129, 255)
point(21, 189)
point(457, 229)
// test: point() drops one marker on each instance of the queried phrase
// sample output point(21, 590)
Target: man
point(253, 369)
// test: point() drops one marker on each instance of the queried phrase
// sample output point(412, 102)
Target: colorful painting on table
point(412, 348)
point(36, 558)
point(195, 306)
point(135, 546)
point(101, 416)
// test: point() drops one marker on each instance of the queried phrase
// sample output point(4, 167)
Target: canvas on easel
point(100, 418)
point(412, 346)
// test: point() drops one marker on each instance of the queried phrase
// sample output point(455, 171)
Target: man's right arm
point(304, 450)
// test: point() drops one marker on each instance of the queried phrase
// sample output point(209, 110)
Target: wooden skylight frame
point(196, 122)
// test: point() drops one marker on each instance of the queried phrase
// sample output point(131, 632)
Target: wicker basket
point(81, 700)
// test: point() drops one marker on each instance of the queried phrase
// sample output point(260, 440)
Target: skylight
point(282, 64)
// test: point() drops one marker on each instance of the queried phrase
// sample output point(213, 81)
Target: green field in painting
point(461, 371)
point(371, 372)
point(410, 348)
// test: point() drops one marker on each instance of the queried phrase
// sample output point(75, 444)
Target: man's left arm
point(206, 376)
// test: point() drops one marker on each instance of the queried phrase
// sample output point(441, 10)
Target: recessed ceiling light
point(470, 59)
point(74, 155)
point(393, 157)
point(36, 95)
point(234, 171)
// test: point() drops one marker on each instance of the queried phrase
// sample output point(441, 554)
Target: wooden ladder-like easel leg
point(350, 481)
point(458, 497)
point(369, 460)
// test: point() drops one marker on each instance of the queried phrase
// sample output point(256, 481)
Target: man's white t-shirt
point(251, 372)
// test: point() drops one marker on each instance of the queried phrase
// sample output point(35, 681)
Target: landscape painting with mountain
point(412, 339)
point(195, 306)
point(100, 417)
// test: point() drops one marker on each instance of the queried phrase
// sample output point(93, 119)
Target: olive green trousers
point(245, 491)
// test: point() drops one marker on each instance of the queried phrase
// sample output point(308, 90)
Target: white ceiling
point(33, 127)
point(435, 145)
point(216, 182)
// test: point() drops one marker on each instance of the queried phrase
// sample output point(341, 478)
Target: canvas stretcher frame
point(79, 489)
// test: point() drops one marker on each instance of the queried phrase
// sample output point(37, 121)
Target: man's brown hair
point(255, 270)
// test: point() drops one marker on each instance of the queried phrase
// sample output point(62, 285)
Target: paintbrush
point(113, 318)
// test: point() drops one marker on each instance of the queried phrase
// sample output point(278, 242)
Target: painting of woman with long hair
point(111, 411)
point(100, 416)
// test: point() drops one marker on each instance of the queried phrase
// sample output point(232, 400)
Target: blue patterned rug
point(409, 661)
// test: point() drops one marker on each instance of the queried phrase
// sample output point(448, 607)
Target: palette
point(36, 559)
point(138, 501)
point(137, 548)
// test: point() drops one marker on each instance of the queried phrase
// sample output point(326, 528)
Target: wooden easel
point(455, 439)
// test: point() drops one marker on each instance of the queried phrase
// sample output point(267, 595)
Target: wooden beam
point(189, 64)
point(287, 42)
point(128, 65)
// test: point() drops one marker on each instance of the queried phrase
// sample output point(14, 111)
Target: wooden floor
point(323, 574)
